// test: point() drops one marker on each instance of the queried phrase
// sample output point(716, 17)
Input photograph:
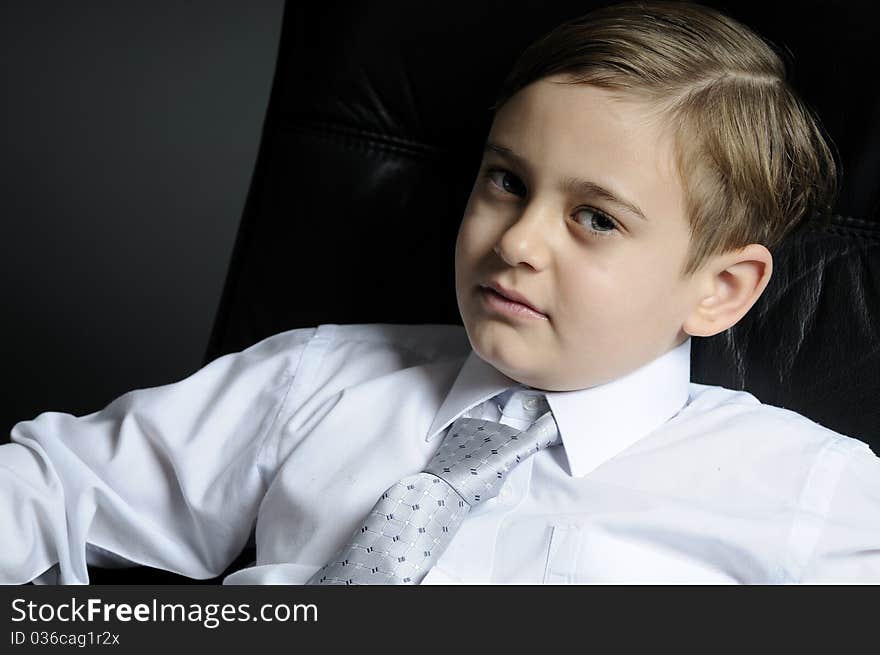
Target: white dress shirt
point(657, 480)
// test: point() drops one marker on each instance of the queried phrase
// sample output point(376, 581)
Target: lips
point(515, 296)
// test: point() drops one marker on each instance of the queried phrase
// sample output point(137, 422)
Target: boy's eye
point(506, 181)
point(597, 223)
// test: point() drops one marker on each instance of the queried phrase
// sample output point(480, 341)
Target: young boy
point(641, 163)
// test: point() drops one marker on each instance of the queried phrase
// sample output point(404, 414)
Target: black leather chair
point(373, 137)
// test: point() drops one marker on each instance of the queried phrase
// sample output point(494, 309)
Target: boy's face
point(606, 281)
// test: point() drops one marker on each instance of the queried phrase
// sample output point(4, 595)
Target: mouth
point(509, 302)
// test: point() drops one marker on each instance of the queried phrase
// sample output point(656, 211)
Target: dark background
point(130, 131)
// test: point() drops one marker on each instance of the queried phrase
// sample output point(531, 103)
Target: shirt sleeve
point(848, 548)
point(170, 477)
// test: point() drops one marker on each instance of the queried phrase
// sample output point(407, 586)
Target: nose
point(525, 240)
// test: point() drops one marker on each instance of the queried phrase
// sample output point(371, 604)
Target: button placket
point(562, 554)
point(521, 409)
point(517, 483)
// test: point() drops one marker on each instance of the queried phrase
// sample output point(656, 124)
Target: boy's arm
point(848, 547)
point(168, 476)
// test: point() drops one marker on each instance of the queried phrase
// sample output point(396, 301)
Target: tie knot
point(476, 455)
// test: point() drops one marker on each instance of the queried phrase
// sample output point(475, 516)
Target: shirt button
point(504, 494)
point(531, 403)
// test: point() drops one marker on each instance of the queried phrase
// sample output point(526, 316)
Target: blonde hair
point(752, 157)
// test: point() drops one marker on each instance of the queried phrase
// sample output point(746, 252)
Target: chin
point(503, 357)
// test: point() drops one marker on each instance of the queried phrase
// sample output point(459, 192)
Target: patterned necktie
point(416, 518)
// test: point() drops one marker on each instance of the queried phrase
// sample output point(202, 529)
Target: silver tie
point(416, 518)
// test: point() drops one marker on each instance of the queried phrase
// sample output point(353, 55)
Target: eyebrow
point(573, 184)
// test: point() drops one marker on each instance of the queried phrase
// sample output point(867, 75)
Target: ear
point(727, 287)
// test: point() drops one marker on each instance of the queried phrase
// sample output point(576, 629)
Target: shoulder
point(775, 439)
point(423, 341)
point(348, 354)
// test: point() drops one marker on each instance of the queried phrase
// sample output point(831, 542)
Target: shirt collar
point(595, 423)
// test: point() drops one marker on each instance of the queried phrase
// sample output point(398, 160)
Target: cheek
point(652, 298)
point(466, 252)
point(464, 234)
point(610, 298)
point(592, 276)
point(474, 237)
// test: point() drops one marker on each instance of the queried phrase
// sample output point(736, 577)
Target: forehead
point(577, 130)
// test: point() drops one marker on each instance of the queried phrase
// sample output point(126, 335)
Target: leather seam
point(364, 138)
